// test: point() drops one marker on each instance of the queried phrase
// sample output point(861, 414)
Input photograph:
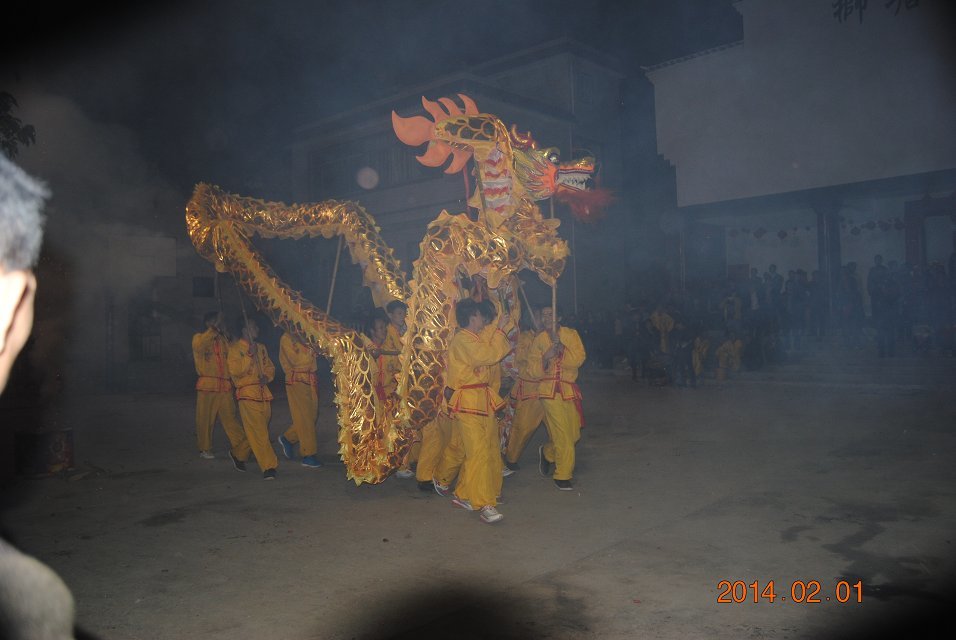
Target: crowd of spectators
point(714, 328)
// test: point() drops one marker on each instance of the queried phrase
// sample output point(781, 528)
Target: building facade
point(566, 94)
point(824, 137)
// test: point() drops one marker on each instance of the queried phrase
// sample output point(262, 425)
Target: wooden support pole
point(335, 272)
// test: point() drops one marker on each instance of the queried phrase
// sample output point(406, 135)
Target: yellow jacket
point(561, 374)
point(471, 360)
point(728, 354)
point(383, 372)
point(526, 387)
point(664, 325)
point(245, 371)
point(210, 351)
point(389, 366)
point(297, 361)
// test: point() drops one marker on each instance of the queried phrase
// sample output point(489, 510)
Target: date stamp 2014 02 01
point(800, 592)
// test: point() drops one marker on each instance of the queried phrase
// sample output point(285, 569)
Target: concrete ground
point(837, 467)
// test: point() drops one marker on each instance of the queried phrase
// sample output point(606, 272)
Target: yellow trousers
point(304, 407)
point(209, 406)
point(564, 428)
point(528, 416)
point(414, 452)
point(452, 456)
point(435, 437)
point(255, 420)
point(475, 448)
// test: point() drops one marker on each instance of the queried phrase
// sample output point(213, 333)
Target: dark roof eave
point(908, 185)
point(410, 102)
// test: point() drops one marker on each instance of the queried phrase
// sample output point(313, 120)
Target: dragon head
point(573, 182)
point(510, 164)
point(512, 174)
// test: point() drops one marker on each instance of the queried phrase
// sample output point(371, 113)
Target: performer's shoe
point(287, 448)
point(544, 467)
point(404, 473)
point(441, 489)
point(506, 471)
point(514, 466)
point(237, 463)
point(311, 461)
point(464, 504)
point(490, 515)
point(563, 485)
point(269, 474)
point(207, 455)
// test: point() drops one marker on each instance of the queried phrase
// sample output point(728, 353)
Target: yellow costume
point(386, 383)
point(214, 390)
point(560, 397)
point(435, 437)
point(474, 443)
point(451, 458)
point(393, 342)
point(302, 391)
point(728, 357)
point(255, 399)
point(528, 410)
point(664, 324)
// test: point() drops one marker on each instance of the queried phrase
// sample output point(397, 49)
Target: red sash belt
point(478, 385)
point(575, 396)
point(520, 390)
point(223, 384)
point(304, 375)
point(262, 388)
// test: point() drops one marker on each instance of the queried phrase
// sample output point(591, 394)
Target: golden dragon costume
point(509, 234)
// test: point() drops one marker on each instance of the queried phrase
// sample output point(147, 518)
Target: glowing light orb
point(367, 178)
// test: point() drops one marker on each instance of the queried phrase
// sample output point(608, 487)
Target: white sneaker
point(404, 473)
point(505, 472)
point(464, 504)
point(207, 455)
point(490, 515)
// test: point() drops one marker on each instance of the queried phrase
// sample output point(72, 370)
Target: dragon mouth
point(575, 180)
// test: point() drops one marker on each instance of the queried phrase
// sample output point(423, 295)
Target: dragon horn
point(434, 108)
point(412, 131)
point(435, 155)
point(471, 108)
point(453, 109)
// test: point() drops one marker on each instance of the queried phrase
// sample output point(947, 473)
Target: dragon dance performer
point(386, 366)
point(472, 403)
point(555, 357)
point(529, 413)
point(251, 371)
point(214, 388)
point(392, 348)
point(436, 436)
point(302, 390)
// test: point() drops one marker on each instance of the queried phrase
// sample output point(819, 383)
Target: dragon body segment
point(508, 235)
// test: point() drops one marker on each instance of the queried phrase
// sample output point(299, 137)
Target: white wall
point(807, 101)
